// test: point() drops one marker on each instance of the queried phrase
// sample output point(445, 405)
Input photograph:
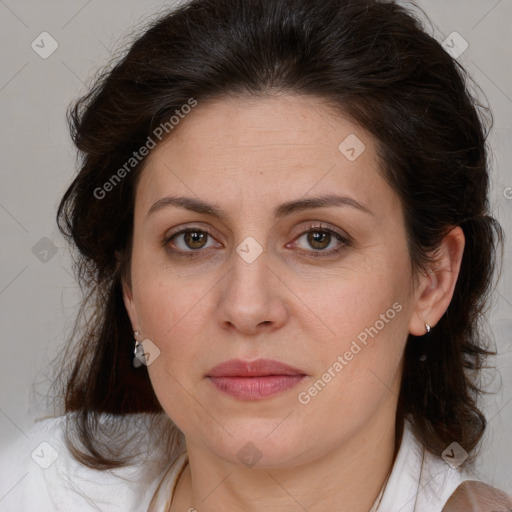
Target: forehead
point(233, 123)
point(253, 149)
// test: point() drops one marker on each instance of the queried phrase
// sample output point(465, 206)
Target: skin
point(247, 157)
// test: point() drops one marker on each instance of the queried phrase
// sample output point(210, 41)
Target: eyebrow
point(284, 209)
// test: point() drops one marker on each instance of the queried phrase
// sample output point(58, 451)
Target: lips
point(258, 368)
point(254, 380)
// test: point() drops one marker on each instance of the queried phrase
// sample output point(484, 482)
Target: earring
point(427, 328)
point(138, 351)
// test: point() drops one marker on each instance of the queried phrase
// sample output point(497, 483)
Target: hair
point(370, 60)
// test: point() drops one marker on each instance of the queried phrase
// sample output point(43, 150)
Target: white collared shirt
point(39, 473)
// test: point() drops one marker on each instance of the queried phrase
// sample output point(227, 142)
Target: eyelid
point(322, 226)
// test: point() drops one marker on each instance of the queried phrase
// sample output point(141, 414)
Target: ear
point(128, 300)
point(129, 304)
point(435, 289)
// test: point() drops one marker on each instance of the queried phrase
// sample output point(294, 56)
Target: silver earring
point(138, 352)
point(427, 328)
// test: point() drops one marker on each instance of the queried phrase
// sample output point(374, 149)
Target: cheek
point(169, 319)
point(357, 303)
point(172, 311)
point(357, 370)
point(365, 345)
point(360, 332)
point(162, 299)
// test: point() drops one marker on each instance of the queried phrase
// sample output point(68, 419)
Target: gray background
point(39, 299)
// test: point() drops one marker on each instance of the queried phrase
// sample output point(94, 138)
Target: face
point(253, 266)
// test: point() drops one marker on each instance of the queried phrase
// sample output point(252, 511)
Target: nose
point(253, 299)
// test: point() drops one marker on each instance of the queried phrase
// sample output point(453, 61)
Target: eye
point(323, 240)
point(190, 240)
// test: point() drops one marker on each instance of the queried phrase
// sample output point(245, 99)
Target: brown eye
point(319, 239)
point(195, 239)
point(190, 242)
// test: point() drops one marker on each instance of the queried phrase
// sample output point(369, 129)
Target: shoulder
point(39, 473)
point(23, 462)
point(473, 496)
point(423, 482)
point(458, 489)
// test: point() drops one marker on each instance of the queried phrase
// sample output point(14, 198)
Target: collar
point(419, 480)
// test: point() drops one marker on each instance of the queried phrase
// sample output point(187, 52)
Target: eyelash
point(345, 242)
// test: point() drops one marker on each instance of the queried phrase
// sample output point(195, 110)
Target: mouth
point(254, 380)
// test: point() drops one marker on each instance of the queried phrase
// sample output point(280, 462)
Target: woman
point(282, 222)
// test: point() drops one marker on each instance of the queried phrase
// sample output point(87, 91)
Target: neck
point(347, 478)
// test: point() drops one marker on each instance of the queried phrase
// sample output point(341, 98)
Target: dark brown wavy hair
point(371, 60)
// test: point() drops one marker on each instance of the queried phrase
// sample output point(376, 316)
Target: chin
point(260, 446)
